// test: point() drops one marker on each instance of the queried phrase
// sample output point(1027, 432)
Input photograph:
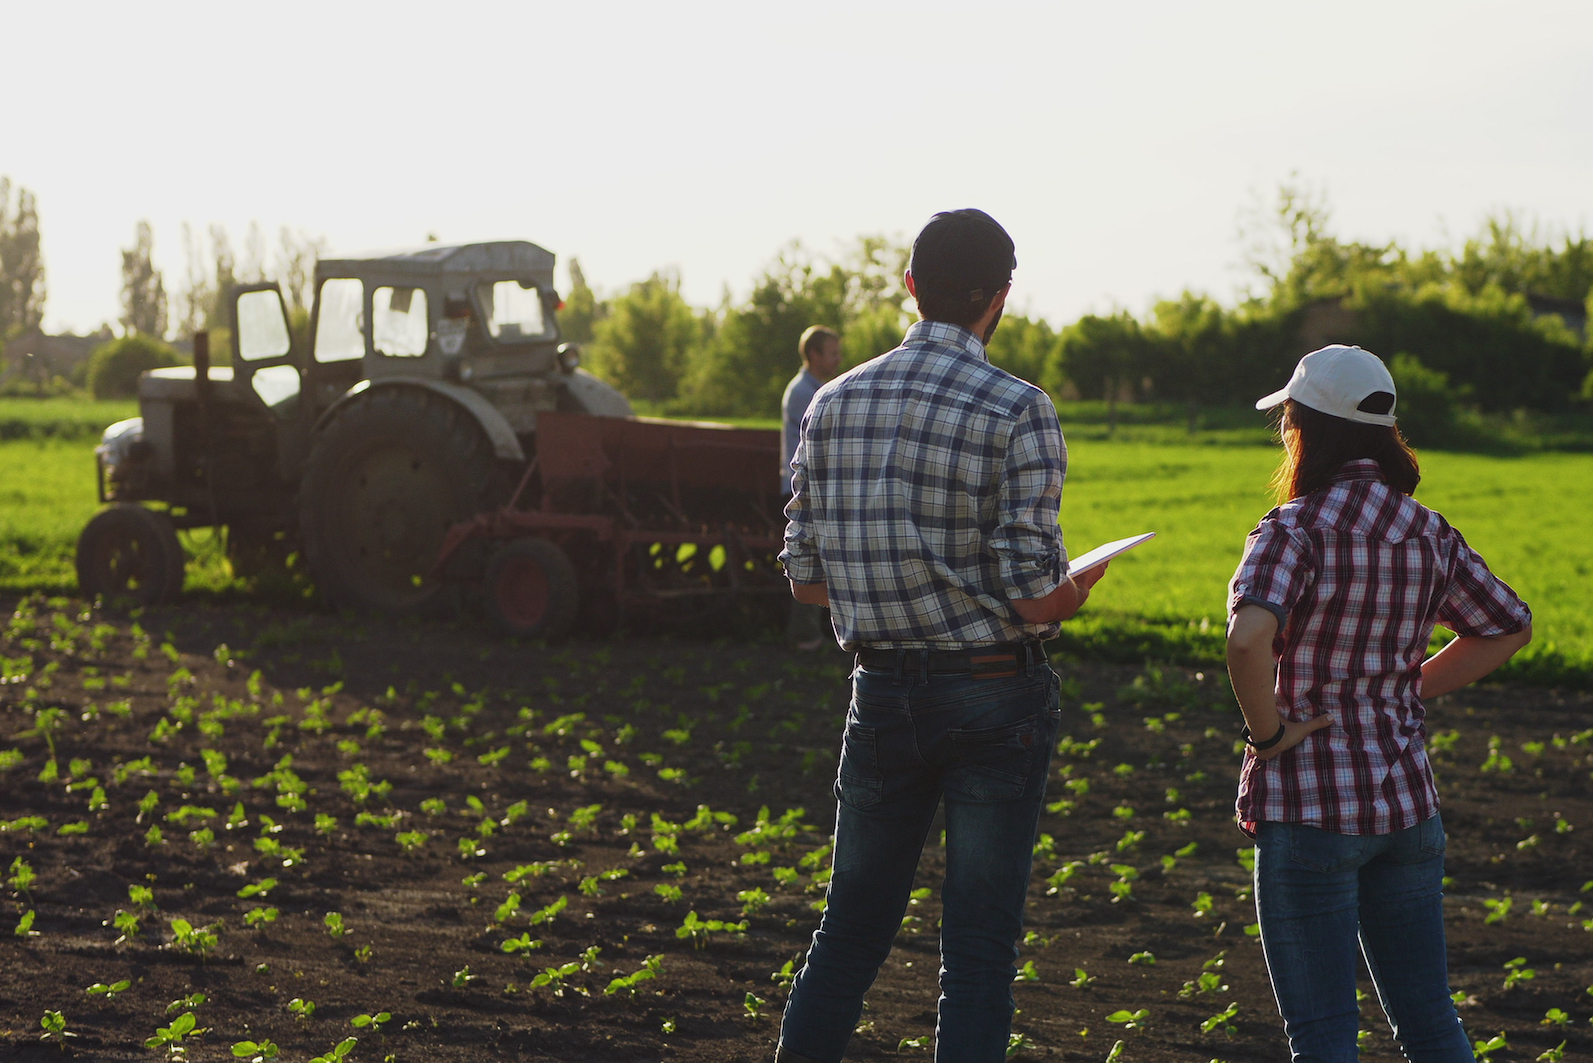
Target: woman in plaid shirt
point(1331, 611)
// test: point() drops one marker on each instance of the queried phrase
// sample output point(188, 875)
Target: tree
point(22, 287)
point(582, 308)
point(143, 290)
point(645, 342)
point(297, 253)
point(114, 367)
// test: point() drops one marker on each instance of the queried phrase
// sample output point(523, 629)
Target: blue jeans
point(913, 738)
point(1316, 892)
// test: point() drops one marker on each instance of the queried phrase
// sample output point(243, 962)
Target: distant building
point(39, 357)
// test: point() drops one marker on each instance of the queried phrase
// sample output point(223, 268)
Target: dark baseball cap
point(963, 252)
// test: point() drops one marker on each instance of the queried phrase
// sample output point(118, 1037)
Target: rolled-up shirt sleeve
point(1027, 539)
point(1476, 601)
point(1274, 573)
point(800, 558)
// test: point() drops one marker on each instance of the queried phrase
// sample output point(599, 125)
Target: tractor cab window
point(513, 311)
point(339, 324)
point(262, 328)
point(399, 324)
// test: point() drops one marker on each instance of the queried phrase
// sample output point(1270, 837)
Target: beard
point(990, 330)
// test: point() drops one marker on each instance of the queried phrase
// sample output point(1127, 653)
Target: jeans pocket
point(1430, 835)
point(859, 783)
point(996, 763)
point(1324, 851)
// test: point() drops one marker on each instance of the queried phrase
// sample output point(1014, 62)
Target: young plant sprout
point(254, 1051)
point(334, 924)
point(54, 1025)
point(109, 992)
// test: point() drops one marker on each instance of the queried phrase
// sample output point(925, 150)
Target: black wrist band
point(1269, 743)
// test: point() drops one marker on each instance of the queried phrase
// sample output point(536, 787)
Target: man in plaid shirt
point(924, 510)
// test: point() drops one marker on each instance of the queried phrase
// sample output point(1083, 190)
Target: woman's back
point(1358, 574)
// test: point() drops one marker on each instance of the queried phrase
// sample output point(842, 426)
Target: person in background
point(1330, 613)
point(820, 348)
point(924, 511)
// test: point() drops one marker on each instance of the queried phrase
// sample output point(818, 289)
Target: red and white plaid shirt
point(1357, 575)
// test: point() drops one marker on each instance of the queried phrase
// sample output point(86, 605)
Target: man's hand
point(811, 593)
point(1062, 603)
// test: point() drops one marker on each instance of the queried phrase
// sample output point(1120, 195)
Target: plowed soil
point(445, 792)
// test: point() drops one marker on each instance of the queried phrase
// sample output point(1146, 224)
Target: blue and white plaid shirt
point(925, 494)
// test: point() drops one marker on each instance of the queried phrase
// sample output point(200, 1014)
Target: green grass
point(60, 418)
point(1527, 515)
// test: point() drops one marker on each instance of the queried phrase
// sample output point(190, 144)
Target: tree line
point(1498, 324)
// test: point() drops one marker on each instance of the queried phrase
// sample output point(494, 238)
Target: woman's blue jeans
point(1316, 893)
point(912, 739)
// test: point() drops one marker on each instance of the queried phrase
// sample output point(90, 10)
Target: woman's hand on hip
point(1293, 734)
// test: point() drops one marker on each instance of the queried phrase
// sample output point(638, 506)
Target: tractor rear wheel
point(530, 590)
point(127, 551)
point(384, 482)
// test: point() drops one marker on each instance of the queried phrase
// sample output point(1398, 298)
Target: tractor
point(436, 443)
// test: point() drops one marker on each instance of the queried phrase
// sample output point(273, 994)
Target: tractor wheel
point(530, 590)
point(128, 551)
point(385, 480)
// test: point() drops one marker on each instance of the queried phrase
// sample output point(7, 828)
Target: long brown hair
point(1316, 444)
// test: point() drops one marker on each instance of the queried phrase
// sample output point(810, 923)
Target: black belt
point(1002, 659)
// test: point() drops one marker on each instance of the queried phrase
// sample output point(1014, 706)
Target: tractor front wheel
point(530, 590)
point(127, 551)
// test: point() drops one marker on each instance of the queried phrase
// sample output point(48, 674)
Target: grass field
point(1527, 514)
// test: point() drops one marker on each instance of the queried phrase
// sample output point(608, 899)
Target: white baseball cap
point(1336, 380)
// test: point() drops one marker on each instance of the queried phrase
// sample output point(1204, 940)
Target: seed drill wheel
point(131, 552)
point(396, 467)
point(530, 589)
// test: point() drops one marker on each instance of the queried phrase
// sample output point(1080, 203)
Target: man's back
point(929, 483)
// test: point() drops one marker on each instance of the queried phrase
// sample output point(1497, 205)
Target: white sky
point(1118, 143)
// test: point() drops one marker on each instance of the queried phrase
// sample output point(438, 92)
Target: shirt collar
point(1359, 469)
point(945, 335)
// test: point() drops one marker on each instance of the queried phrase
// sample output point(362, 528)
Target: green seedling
point(1081, 980)
point(100, 989)
point(1553, 1055)
point(1146, 958)
point(363, 954)
point(1517, 971)
point(1131, 1020)
point(258, 889)
point(523, 943)
point(669, 892)
point(914, 1042)
point(753, 1006)
point(1554, 1017)
point(186, 1003)
point(463, 977)
point(676, 869)
point(54, 1026)
point(198, 941)
point(126, 924)
point(325, 825)
point(378, 1020)
point(1017, 1043)
point(254, 1051)
point(553, 977)
point(1498, 909)
point(508, 909)
point(434, 806)
point(1484, 1050)
point(171, 1037)
point(652, 967)
point(752, 901)
point(1222, 1021)
point(334, 924)
point(24, 927)
point(699, 930)
point(22, 877)
point(589, 960)
point(470, 882)
point(258, 917)
point(410, 840)
point(551, 912)
point(302, 1009)
point(337, 1053)
point(1027, 973)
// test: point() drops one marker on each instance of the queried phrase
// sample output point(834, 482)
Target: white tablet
point(1105, 552)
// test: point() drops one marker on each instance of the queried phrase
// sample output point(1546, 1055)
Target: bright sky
point(1118, 143)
